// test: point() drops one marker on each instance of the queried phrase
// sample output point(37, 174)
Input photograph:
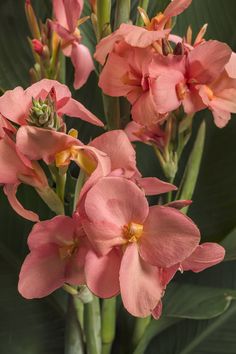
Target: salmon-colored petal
point(42, 272)
point(15, 105)
point(144, 111)
point(156, 313)
point(205, 255)
point(168, 237)
point(119, 149)
point(75, 109)
point(113, 77)
point(73, 9)
point(179, 204)
point(139, 283)
point(58, 230)
point(102, 273)
point(154, 186)
point(120, 202)
point(45, 86)
point(59, 12)
point(176, 7)
point(37, 143)
point(82, 62)
point(221, 118)
point(74, 273)
point(204, 65)
point(10, 191)
point(230, 67)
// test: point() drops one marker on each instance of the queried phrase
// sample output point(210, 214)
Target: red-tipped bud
point(38, 46)
point(93, 4)
point(27, 2)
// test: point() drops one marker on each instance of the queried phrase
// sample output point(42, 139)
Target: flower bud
point(37, 46)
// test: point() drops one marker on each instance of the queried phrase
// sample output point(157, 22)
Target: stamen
point(132, 232)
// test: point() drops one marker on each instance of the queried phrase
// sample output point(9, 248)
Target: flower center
point(81, 157)
point(209, 92)
point(132, 232)
point(181, 90)
point(68, 251)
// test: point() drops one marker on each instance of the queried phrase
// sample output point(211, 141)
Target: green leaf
point(229, 243)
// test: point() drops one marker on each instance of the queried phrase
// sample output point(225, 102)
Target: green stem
point(144, 5)
point(73, 336)
point(92, 326)
point(112, 111)
point(60, 185)
point(122, 13)
point(139, 329)
point(78, 187)
point(108, 324)
point(103, 17)
point(62, 68)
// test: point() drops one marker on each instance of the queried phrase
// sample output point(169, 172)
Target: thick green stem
point(78, 187)
point(103, 17)
point(144, 5)
point(112, 111)
point(62, 68)
point(74, 336)
point(122, 13)
point(92, 326)
point(139, 329)
point(108, 324)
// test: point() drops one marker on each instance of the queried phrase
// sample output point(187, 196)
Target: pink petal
point(132, 128)
point(120, 202)
point(82, 62)
point(44, 86)
point(204, 65)
point(102, 273)
point(154, 186)
point(205, 255)
point(164, 91)
point(74, 273)
point(15, 105)
point(117, 146)
point(192, 102)
point(10, 191)
point(167, 274)
point(37, 143)
point(139, 283)
point(75, 109)
point(144, 111)
point(112, 78)
point(59, 12)
point(42, 272)
point(11, 164)
point(64, 33)
point(230, 67)
point(156, 313)
point(59, 230)
point(73, 9)
point(176, 7)
point(221, 118)
point(168, 237)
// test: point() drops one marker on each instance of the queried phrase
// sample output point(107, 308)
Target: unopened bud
point(32, 19)
point(37, 46)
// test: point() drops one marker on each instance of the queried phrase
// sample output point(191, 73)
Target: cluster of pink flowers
point(158, 72)
point(114, 242)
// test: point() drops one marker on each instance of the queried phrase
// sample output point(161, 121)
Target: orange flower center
point(132, 232)
point(68, 251)
point(181, 90)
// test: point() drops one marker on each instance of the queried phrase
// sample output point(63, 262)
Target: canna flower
point(149, 239)
point(141, 37)
point(17, 169)
point(57, 252)
point(43, 105)
point(67, 14)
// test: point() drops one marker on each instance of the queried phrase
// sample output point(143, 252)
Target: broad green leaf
point(229, 243)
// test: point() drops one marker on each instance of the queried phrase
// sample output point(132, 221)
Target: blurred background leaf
point(37, 327)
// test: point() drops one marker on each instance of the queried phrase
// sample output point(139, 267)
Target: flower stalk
point(108, 324)
point(92, 326)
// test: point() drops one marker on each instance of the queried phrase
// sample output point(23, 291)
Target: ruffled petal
point(139, 283)
point(154, 186)
point(168, 237)
point(205, 255)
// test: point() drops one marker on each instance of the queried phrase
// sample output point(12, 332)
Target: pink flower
point(67, 14)
point(17, 169)
point(17, 106)
point(141, 37)
point(150, 238)
point(57, 252)
point(38, 46)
